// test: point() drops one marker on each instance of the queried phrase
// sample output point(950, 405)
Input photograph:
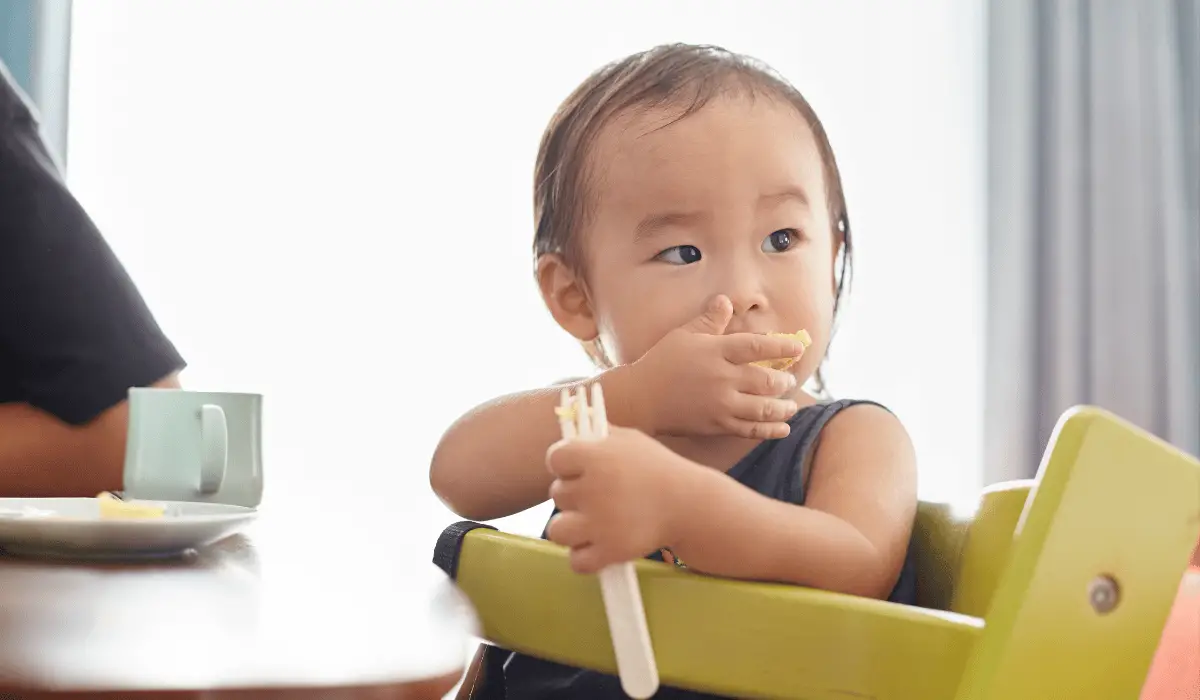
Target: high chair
point(1056, 588)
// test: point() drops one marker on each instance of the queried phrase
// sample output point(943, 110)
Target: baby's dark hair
point(672, 75)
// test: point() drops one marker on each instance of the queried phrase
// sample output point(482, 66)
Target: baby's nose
point(743, 280)
point(745, 303)
point(747, 293)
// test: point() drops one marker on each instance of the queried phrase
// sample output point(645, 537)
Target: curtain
point(35, 44)
point(1094, 220)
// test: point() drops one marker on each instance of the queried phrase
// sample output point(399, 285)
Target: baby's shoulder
point(862, 425)
point(844, 414)
point(861, 431)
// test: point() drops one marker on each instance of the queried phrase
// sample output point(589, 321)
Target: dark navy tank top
point(775, 468)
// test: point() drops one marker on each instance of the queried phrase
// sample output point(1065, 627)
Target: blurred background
point(330, 203)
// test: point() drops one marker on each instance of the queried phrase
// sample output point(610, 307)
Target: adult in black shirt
point(75, 334)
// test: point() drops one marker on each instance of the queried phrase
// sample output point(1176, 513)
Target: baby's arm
point(850, 536)
point(491, 462)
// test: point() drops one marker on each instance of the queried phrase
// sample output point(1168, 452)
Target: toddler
point(688, 204)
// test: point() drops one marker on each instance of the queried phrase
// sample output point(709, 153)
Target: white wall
point(330, 203)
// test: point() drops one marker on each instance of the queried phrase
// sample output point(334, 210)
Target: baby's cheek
point(616, 341)
point(814, 313)
point(817, 305)
point(628, 341)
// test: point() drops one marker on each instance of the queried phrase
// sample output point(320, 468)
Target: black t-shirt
point(75, 334)
point(774, 468)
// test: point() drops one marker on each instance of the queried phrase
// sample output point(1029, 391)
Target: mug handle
point(214, 448)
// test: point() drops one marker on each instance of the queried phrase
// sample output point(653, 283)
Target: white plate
point(73, 528)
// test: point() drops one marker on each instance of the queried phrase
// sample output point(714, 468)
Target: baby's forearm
point(492, 462)
point(722, 528)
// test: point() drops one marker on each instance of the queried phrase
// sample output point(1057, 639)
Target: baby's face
point(730, 200)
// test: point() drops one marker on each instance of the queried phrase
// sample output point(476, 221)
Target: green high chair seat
point(1056, 587)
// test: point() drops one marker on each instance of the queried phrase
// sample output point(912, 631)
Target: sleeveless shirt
point(774, 468)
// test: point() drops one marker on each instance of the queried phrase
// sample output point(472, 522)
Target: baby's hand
point(611, 497)
point(697, 381)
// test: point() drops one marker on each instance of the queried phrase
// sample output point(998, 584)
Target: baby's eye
point(680, 255)
point(780, 241)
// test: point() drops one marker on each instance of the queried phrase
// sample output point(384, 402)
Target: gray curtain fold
point(1094, 220)
point(35, 48)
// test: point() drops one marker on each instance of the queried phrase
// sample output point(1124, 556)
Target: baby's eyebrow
point(790, 192)
point(655, 223)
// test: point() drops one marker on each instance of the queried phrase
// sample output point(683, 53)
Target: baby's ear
point(566, 297)
point(840, 238)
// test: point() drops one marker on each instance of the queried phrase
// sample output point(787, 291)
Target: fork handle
point(629, 631)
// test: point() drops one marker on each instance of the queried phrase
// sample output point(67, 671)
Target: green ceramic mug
point(194, 446)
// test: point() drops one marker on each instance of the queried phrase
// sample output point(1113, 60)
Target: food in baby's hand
point(113, 507)
point(785, 363)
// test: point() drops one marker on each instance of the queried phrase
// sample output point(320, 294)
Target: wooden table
point(292, 608)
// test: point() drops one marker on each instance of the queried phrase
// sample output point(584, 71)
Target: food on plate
point(113, 507)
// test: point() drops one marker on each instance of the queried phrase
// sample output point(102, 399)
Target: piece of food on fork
point(567, 411)
point(785, 363)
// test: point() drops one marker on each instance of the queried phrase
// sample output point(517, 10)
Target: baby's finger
point(762, 381)
point(761, 409)
point(565, 493)
point(564, 459)
point(568, 529)
point(744, 348)
point(587, 559)
point(754, 430)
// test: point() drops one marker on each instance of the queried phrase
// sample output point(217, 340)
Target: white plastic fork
point(636, 664)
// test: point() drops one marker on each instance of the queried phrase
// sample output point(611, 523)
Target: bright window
point(329, 203)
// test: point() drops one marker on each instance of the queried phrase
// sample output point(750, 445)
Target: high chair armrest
point(1095, 564)
point(716, 635)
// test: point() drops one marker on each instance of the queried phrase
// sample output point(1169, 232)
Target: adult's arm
point(40, 455)
point(75, 334)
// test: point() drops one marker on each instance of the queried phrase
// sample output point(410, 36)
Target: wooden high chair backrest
point(959, 557)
